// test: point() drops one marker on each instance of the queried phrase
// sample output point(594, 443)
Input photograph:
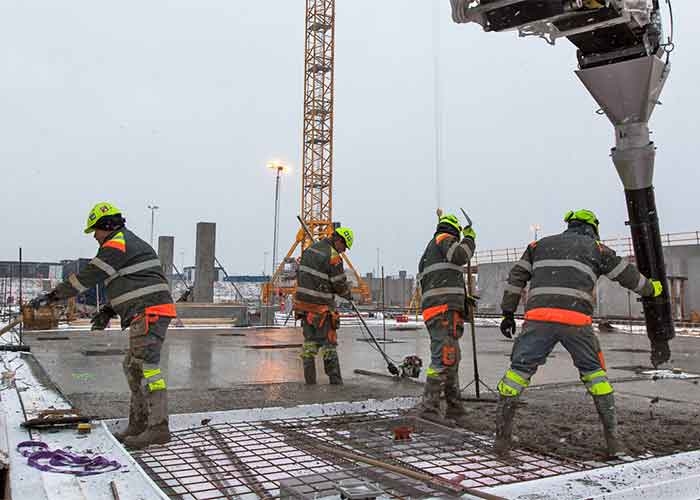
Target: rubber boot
point(504, 424)
point(158, 431)
point(455, 410)
point(137, 418)
point(331, 365)
point(608, 416)
point(310, 371)
point(429, 407)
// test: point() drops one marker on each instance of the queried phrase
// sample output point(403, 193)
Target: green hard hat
point(452, 220)
point(347, 235)
point(583, 215)
point(102, 209)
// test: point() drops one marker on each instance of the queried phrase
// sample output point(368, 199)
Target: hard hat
point(347, 235)
point(102, 209)
point(452, 220)
point(583, 215)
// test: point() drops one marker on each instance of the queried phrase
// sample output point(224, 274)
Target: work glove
point(468, 232)
point(101, 319)
point(660, 352)
point(43, 300)
point(658, 287)
point(508, 325)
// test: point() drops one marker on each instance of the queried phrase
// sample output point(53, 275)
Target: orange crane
point(317, 162)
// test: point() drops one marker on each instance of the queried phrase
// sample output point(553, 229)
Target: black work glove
point(508, 324)
point(660, 352)
point(101, 319)
point(43, 300)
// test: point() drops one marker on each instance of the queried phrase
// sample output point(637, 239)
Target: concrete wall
point(204, 262)
point(166, 253)
point(237, 313)
point(612, 299)
point(398, 289)
point(490, 283)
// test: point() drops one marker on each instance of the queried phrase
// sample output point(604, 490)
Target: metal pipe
point(277, 210)
point(21, 325)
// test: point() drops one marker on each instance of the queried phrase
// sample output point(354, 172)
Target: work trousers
point(445, 331)
point(142, 368)
point(320, 335)
point(536, 342)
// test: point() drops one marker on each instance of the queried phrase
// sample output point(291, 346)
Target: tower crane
point(317, 158)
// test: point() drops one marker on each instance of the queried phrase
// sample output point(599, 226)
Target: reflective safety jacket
point(320, 277)
point(562, 271)
point(441, 274)
point(131, 273)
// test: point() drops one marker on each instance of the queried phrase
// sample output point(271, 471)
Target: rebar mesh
point(249, 460)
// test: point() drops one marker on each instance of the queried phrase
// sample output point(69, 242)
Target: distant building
point(31, 270)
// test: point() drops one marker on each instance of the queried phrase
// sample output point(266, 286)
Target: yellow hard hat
point(347, 235)
point(102, 209)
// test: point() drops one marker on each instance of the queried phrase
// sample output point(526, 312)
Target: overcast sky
point(181, 104)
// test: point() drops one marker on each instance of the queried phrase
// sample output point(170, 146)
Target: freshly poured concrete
point(225, 368)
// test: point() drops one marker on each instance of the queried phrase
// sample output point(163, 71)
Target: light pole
point(153, 209)
point(279, 167)
point(534, 228)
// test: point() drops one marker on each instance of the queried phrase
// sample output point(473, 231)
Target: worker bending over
point(137, 291)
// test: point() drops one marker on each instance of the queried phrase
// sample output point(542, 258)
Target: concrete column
point(166, 253)
point(204, 262)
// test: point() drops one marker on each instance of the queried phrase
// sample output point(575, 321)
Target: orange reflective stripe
point(563, 316)
point(309, 307)
point(601, 358)
point(336, 259)
point(442, 236)
point(431, 312)
point(164, 310)
point(119, 245)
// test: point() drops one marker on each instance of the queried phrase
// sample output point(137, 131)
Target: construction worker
point(562, 271)
point(138, 292)
point(444, 298)
point(320, 278)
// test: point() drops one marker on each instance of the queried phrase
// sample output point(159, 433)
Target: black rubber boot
point(429, 407)
point(455, 410)
point(331, 365)
point(310, 371)
point(505, 412)
point(158, 430)
point(608, 417)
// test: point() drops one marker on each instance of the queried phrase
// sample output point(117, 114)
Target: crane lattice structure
point(317, 161)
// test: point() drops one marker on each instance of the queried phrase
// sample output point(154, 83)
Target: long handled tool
point(389, 364)
point(469, 290)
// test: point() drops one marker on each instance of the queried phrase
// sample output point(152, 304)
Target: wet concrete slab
point(221, 368)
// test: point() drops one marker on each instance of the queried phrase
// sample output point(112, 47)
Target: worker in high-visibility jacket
point(320, 278)
point(563, 270)
point(138, 292)
point(444, 304)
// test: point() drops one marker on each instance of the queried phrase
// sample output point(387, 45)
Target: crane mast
point(317, 148)
point(317, 162)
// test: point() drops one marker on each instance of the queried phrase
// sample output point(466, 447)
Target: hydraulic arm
point(621, 62)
